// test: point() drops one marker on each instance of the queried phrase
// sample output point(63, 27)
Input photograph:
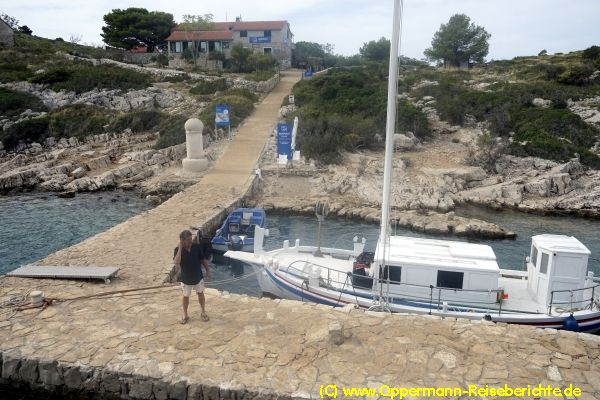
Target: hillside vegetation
point(344, 109)
point(47, 62)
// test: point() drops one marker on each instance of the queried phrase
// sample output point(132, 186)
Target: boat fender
point(571, 324)
point(237, 243)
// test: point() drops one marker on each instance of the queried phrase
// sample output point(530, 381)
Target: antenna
point(321, 211)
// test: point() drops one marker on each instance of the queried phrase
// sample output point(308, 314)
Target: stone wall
point(46, 376)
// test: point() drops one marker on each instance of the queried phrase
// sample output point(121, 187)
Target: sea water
point(239, 278)
point(35, 225)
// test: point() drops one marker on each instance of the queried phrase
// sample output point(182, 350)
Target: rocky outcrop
point(115, 99)
point(533, 184)
point(418, 221)
point(95, 169)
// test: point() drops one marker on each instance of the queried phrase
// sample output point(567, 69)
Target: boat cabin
point(556, 262)
point(410, 266)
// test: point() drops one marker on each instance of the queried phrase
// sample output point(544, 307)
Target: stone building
point(264, 37)
point(7, 36)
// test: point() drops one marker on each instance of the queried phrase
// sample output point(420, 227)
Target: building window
point(202, 47)
point(225, 45)
point(534, 255)
point(267, 33)
point(450, 279)
point(544, 264)
point(391, 273)
point(243, 33)
point(176, 47)
point(266, 50)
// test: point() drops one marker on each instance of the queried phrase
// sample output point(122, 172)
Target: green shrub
point(162, 60)
point(14, 71)
point(259, 76)
point(410, 118)
point(172, 131)
point(242, 92)
point(51, 76)
point(78, 121)
point(323, 139)
point(83, 77)
point(14, 103)
point(591, 53)
point(209, 87)
point(554, 134)
point(31, 130)
point(577, 75)
point(137, 121)
point(239, 108)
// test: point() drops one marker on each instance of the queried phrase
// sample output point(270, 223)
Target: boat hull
point(280, 284)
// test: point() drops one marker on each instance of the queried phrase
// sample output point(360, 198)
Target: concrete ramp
point(46, 271)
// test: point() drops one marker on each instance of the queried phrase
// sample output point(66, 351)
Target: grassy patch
point(209, 87)
point(13, 103)
point(82, 77)
point(138, 121)
point(172, 131)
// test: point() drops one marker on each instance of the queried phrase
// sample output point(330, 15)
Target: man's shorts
point(187, 289)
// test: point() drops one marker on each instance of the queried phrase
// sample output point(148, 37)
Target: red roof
point(223, 30)
point(200, 35)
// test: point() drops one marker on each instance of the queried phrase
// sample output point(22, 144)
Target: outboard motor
point(237, 243)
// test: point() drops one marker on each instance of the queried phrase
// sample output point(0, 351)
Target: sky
point(518, 27)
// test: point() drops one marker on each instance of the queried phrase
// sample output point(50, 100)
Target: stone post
point(196, 160)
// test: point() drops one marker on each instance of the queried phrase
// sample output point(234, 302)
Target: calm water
point(35, 225)
point(339, 233)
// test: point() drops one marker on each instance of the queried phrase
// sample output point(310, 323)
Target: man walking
point(190, 258)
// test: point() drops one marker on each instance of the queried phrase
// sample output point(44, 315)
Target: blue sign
point(222, 115)
point(284, 140)
point(260, 39)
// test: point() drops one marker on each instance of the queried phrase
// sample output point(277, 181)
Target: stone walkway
point(130, 345)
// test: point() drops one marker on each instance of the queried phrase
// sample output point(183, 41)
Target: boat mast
point(390, 125)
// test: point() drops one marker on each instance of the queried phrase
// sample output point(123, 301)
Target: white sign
point(291, 98)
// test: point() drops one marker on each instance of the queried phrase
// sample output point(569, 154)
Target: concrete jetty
point(130, 345)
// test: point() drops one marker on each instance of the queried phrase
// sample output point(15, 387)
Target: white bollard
point(196, 160)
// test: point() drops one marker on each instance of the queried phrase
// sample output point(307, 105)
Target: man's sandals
point(204, 317)
point(184, 320)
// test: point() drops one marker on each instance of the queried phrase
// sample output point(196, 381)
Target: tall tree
point(193, 23)
point(459, 41)
point(136, 26)
point(239, 57)
point(376, 50)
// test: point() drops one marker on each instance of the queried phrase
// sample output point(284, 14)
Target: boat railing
point(587, 302)
point(435, 295)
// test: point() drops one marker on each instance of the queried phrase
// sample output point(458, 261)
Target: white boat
point(449, 279)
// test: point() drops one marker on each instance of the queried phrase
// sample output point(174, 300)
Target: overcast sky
point(518, 27)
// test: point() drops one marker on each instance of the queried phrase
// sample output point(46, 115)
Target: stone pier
point(111, 342)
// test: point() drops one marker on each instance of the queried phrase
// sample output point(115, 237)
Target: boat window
point(544, 264)
point(391, 273)
point(234, 228)
point(450, 279)
point(534, 255)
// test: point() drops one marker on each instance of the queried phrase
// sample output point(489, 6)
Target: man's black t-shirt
point(191, 266)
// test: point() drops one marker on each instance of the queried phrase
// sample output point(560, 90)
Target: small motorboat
point(237, 232)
